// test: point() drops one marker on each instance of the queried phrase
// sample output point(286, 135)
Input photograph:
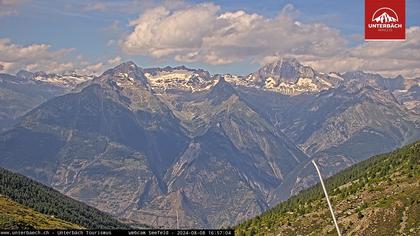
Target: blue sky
point(96, 31)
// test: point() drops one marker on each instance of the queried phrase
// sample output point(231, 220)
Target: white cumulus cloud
point(387, 58)
point(40, 57)
point(203, 33)
point(32, 57)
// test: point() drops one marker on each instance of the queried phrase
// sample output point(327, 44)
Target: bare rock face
point(288, 76)
point(121, 148)
point(284, 70)
point(178, 146)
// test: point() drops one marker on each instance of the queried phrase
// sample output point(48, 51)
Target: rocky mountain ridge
point(285, 76)
point(66, 80)
point(288, 76)
point(147, 145)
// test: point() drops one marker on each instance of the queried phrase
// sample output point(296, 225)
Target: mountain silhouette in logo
point(384, 18)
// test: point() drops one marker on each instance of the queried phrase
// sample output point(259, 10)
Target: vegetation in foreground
point(48, 201)
point(15, 216)
point(379, 196)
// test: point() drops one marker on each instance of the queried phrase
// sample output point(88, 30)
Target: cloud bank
point(40, 57)
point(203, 33)
point(386, 58)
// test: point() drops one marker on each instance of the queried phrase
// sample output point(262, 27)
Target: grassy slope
point(379, 196)
point(48, 201)
point(16, 216)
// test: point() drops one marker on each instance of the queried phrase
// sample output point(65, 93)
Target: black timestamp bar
point(139, 232)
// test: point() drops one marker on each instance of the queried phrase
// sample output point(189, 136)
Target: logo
point(384, 20)
point(385, 17)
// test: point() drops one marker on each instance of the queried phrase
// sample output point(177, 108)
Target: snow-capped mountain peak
point(179, 78)
point(65, 80)
point(287, 76)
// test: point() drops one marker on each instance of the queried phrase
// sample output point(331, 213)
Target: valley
point(148, 144)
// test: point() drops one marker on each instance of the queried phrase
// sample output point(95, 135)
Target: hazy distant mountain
point(404, 90)
point(20, 94)
point(117, 136)
point(339, 127)
point(147, 145)
point(24, 91)
point(67, 80)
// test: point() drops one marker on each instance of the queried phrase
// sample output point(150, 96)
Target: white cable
point(328, 199)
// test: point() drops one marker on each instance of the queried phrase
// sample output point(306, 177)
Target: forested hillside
point(15, 216)
point(48, 201)
point(379, 196)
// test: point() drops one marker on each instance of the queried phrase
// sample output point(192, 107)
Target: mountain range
point(150, 144)
point(24, 91)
